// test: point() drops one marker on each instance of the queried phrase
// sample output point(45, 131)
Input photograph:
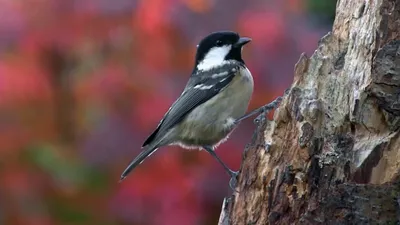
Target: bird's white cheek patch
point(215, 57)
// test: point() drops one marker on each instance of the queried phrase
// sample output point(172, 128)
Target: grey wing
point(199, 90)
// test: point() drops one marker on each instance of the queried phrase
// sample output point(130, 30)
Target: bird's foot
point(233, 181)
point(266, 109)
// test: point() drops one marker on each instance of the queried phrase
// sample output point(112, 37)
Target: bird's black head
point(218, 47)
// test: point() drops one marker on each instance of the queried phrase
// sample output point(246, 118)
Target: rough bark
point(331, 155)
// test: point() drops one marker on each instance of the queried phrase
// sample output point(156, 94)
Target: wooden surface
point(332, 153)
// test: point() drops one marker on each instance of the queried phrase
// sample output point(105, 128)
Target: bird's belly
point(213, 121)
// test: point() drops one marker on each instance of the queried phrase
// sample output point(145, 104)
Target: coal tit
point(211, 105)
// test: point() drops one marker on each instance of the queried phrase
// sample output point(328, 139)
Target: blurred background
point(82, 84)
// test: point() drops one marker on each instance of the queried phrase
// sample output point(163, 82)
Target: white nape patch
point(203, 87)
point(214, 57)
point(222, 74)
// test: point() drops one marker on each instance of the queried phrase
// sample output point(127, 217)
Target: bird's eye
point(219, 43)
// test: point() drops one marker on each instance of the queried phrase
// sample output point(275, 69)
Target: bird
point(211, 105)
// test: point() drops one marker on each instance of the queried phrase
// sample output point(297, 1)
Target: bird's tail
point(138, 160)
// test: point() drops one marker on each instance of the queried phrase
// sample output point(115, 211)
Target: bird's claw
point(266, 109)
point(259, 118)
point(277, 101)
point(233, 181)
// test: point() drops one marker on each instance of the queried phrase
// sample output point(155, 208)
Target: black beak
point(242, 41)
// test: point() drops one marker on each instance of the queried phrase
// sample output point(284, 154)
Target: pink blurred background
point(82, 84)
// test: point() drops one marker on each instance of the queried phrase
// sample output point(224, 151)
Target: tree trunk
point(332, 153)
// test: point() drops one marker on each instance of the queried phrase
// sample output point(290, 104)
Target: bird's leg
point(262, 110)
point(231, 173)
